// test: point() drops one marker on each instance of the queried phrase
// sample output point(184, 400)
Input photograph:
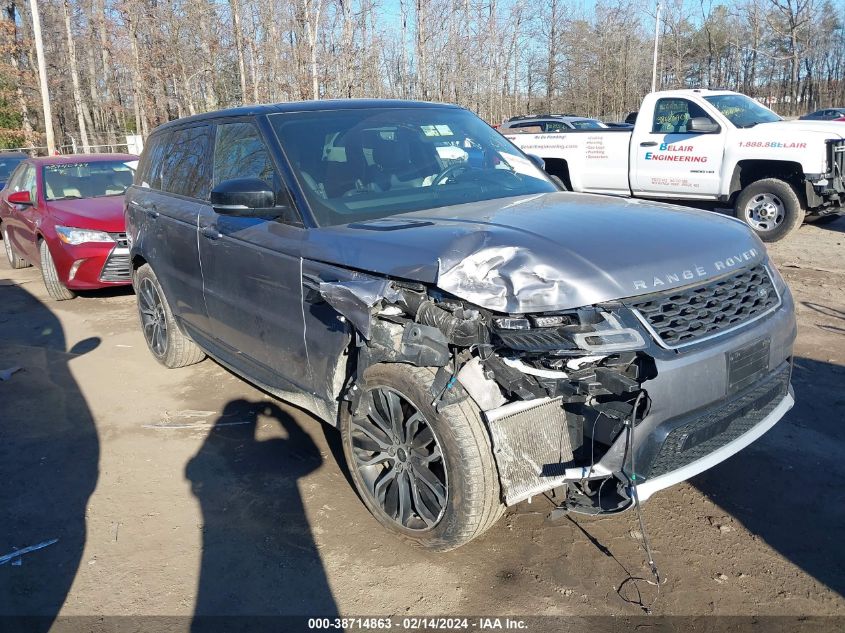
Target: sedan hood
point(101, 214)
point(547, 252)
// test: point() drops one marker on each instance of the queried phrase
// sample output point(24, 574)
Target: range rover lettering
point(479, 336)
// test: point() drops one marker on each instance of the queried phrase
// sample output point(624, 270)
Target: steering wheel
point(443, 176)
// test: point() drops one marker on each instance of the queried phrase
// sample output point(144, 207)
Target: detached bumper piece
point(117, 267)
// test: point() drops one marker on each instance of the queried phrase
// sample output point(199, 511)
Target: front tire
point(427, 476)
point(55, 288)
point(164, 339)
point(14, 261)
point(771, 207)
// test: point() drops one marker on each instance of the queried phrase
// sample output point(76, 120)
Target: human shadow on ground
point(49, 460)
point(259, 556)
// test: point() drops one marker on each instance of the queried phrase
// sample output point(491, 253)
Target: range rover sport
point(479, 335)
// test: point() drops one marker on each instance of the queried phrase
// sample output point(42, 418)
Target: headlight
point(777, 279)
point(74, 236)
point(589, 329)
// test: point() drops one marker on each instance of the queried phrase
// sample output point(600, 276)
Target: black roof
point(307, 106)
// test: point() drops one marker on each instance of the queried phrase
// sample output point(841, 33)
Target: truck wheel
point(164, 338)
point(428, 477)
point(55, 288)
point(14, 261)
point(770, 207)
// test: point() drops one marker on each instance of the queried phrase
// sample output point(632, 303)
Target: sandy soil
point(155, 513)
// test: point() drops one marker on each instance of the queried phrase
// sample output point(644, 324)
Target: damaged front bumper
point(597, 398)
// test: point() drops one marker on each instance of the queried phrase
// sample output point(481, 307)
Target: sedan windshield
point(742, 111)
point(88, 180)
point(366, 164)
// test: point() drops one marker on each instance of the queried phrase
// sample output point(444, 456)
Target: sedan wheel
point(14, 261)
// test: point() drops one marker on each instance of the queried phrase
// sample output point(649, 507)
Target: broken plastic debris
point(15, 556)
point(5, 374)
point(355, 298)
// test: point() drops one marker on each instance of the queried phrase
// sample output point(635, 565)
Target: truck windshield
point(364, 164)
point(742, 111)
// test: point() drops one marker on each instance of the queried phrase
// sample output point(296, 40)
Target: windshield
point(356, 165)
point(7, 166)
point(88, 180)
point(742, 111)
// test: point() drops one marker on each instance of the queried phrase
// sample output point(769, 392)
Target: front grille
point(836, 164)
point(683, 316)
point(117, 266)
point(715, 428)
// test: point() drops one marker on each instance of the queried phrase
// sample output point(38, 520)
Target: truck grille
point(712, 430)
point(686, 315)
point(117, 266)
point(836, 164)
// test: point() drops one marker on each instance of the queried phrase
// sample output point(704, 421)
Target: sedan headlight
point(74, 236)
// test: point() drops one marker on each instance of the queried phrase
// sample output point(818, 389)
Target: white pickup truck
point(711, 146)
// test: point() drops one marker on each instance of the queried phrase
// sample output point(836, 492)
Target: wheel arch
point(559, 167)
point(747, 172)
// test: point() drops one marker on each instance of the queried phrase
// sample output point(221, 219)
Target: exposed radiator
point(533, 443)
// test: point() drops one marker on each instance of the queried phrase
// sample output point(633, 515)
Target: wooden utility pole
point(42, 78)
point(656, 49)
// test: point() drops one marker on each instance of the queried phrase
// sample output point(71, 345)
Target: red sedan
point(65, 215)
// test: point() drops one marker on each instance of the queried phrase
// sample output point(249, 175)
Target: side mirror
point(20, 197)
point(539, 162)
point(702, 125)
point(247, 197)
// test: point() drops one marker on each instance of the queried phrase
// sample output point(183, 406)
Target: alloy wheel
point(399, 459)
point(8, 246)
point(153, 317)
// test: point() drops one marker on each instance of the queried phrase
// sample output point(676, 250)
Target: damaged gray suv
point(480, 336)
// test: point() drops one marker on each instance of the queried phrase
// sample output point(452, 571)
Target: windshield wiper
point(70, 197)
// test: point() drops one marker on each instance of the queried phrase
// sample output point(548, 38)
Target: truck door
point(667, 160)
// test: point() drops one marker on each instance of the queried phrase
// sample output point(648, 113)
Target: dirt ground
point(175, 492)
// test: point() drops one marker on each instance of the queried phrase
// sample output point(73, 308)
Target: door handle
point(152, 214)
point(648, 144)
point(210, 232)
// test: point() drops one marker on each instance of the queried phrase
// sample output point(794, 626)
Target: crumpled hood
point(100, 214)
point(552, 251)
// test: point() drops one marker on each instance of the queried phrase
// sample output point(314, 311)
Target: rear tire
point(771, 207)
point(452, 446)
point(14, 261)
point(164, 339)
point(55, 288)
